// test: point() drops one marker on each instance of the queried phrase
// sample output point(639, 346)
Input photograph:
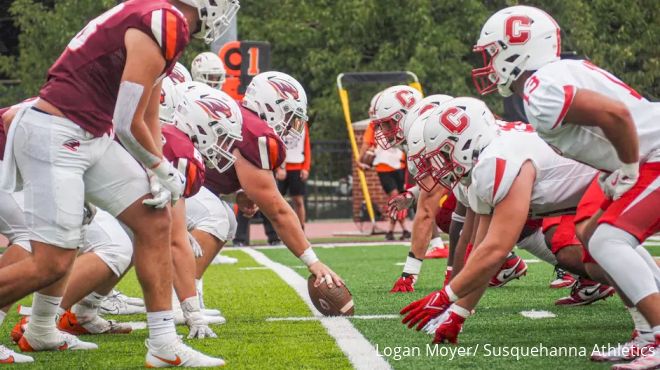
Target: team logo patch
point(284, 88)
point(177, 76)
point(72, 145)
point(214, 107)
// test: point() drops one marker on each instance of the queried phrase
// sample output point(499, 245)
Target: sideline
point(355, 346)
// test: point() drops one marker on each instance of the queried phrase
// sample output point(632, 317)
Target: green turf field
point(249, 294)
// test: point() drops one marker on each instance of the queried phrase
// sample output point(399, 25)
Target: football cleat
point(220, 259)
point(116, 304)
point(8, 356)
point(19, 328)
point(563, 280)
point(58, 341)
point(448, 331)
point(404, 284)
point(177, 354)
point(649, 359)
point(513, 268)
point(586, 292)
point(437, 252)
point(69, 323)
point(628, 351)
point(133, 301)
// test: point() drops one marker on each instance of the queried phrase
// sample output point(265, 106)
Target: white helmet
point(454, 135)
point(387, 111)
point(215, 17)
point(168, 98)
point(420, 108)
point(207, 67)
point(513, 40)
point(212, 120)
point(280, 100)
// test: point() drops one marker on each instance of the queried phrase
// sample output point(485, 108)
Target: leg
point(299, 208)
point(183, 258)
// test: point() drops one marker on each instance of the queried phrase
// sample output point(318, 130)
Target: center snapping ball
point(335, 301)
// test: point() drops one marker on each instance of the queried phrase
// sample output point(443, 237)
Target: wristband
point(413, 265)
point(309, 257)
point(460, 311)
point(450, 294)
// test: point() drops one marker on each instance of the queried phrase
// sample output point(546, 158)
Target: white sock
point(88, 307)
point(641, 325)
point(161, 328)
point(436, 242)
point(3, 314)
point(614, 250)
point(199, 286)
point(535, 244)
point(44, 310)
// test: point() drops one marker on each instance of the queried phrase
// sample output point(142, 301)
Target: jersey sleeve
point(369, 135)
point(492, 179)
point(169, 29)
point(266, 152)
point(193, 171)
point(546, 102)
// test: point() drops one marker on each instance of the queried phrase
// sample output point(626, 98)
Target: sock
point(641, 325)
point(44, 310)
point(3, 314)
point(535, 244)
point(88, 307)
point(199, 286)
point(161, 328)
point(614, 250)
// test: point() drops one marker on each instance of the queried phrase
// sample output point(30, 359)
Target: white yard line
point(253, 268)
point(535, 315)
point(357, 348)
point(316, 318)
point(326, 245)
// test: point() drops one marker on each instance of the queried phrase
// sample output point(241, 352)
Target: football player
point(275, 105)
point(208, 69)
point(511, 173)
point(590, 115)
point(106, 81)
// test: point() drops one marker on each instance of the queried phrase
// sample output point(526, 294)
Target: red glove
point(404, 284)
point(448, 331)
point(397, 206)
point(422, 311)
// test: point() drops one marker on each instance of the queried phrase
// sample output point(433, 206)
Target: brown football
point(336, 301)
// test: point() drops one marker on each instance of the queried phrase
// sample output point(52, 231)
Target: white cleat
point(58, 341)
point(628, 351)
point(8, 356)
point(116, 305)
point(649, 358)
point(219, 259)
point(178, 354)
point(133, 301)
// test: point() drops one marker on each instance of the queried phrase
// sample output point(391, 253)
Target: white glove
point(620, 181)
point(196, 248)
point(161, 197)
point(199, 327)
point(170, 178)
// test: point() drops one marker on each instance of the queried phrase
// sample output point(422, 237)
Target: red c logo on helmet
point(284, 88)
point(406, 98)
point(516, 29)
point(454, 120)
point(214, 107)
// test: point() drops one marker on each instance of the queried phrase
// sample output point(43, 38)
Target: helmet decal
point(517, 29)
point(406, 98)
point(214, 107)
point(284, 88)
point(455, 120)
point(177, 76)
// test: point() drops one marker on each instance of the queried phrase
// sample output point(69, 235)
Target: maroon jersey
point(260, 146)
point(84, 82)
point(179, 150)
point(3, 135)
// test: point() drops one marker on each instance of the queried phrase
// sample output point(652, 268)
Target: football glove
point(199, 327)
point(614, 185)
point(171, 179)
point(160, 197)
point(397, 206)
point(448, 331)
point(404, 284)
point(423, 310)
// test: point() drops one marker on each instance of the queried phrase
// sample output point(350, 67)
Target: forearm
point(623, 136)
point(484, 262)
point(286, 224)
point(422, 228)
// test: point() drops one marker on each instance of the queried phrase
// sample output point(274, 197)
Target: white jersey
point(559, 185)
point(549, 93)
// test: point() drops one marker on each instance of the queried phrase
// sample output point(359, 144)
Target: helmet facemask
point(444, 170)
point(214, 19)
point(292, 124)
point(485, 79)
point(388, 131)
point(217, 155)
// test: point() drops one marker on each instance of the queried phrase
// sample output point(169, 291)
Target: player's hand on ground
point(420, 312)
point(160, 197)
point(620, 181)
point(171, 179)
point(245, 205)
point(199, 329)
point(397, 205)
point(304, 175)
point(448, 331)
point(404, 284)
point(324, 273)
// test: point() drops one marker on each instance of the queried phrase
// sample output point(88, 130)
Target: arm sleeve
point(547, 102)
point(307, 164)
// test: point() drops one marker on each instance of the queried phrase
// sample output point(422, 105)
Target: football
point(336, 301)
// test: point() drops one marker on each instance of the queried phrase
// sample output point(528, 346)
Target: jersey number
point(82, 36)
point(454, 120)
